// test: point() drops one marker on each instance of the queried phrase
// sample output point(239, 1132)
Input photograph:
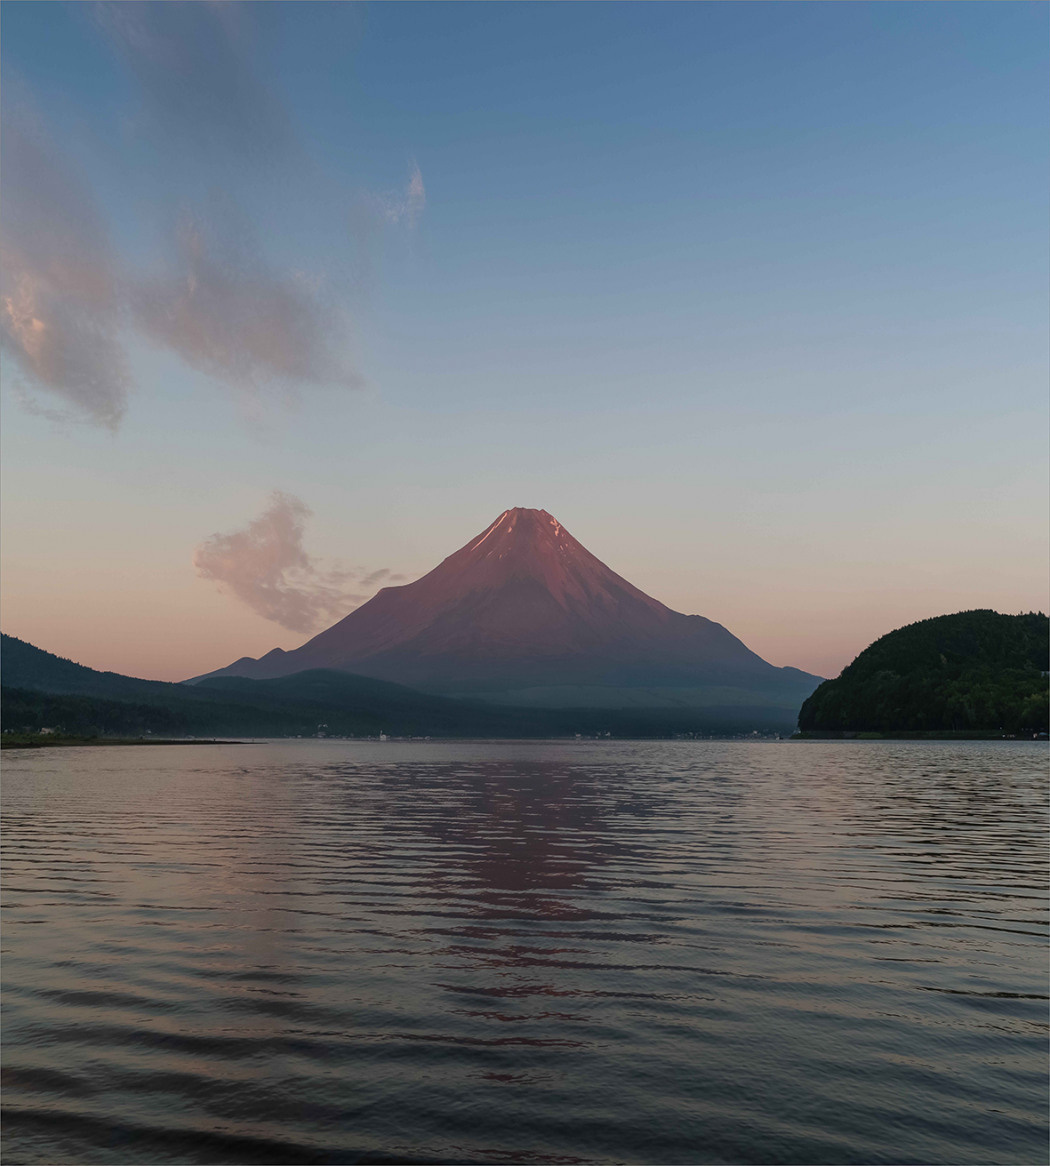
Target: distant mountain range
point(975, 671)
point(300, 705)
point(43, 690)
point(524, 615)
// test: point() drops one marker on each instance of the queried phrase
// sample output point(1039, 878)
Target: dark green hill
point(29, 667)
point(973, 671)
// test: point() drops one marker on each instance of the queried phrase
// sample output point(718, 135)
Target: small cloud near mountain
point(266, 567)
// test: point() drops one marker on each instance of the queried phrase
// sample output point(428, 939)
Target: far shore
point(55, 741)
point(915, 735)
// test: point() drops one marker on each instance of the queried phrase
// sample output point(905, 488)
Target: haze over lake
point(685, 952)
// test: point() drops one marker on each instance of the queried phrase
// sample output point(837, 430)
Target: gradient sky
point(752, 297)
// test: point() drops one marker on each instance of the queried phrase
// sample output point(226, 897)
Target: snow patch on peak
point(493, 527)
point(524, 525)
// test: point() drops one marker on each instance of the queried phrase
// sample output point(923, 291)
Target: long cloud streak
point(69, 298)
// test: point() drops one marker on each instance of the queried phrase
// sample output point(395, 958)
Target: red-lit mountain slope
point(525, 606)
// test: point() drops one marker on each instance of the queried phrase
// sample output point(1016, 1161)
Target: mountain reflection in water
point(661, 952)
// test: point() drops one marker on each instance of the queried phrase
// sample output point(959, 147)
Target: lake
point(668, 952)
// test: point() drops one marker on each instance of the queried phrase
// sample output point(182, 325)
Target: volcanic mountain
point(524, 614)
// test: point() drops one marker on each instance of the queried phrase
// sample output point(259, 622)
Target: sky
point(295, 299)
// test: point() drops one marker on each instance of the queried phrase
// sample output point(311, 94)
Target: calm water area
point(674, 952)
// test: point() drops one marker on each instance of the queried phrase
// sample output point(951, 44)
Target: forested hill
point(976, 670)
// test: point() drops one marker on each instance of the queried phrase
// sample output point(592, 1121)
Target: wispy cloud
point(375, 215)
point(225, 312)
point(60, 294)
point(199, 75)
point(266, 567)
point(209, 116)
point(402, 207)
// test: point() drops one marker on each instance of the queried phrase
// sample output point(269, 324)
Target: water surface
point(687, 952)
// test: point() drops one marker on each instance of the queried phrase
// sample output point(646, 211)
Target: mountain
point(41, 689)
point(525, 614)
point(972, 671)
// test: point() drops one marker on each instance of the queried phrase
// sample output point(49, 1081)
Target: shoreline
point(916, 735)
point(23, 742)
point(73, 742)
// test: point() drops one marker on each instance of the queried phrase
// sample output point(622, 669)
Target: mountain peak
point(522, 526)
point(523, 520)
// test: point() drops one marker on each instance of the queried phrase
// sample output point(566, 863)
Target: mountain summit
point(523, 612)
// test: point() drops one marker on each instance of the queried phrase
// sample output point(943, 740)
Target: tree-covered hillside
point(977, 670)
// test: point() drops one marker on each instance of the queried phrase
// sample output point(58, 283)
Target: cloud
point(60, 294)
point(70, 299)
point(266, 567)
point(225, 312)
point(375, 577)
point(373, 214)
point(199, 77)
point(210, 106)
point(403, 206)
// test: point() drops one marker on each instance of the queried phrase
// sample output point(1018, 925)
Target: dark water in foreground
point(677, 953)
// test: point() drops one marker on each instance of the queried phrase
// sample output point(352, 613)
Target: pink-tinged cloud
point(216, 302)
point(60, 295)
point(69, 299)
point(266, 567)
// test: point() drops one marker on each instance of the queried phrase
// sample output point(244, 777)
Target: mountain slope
point(23, 665)
point(346, 704)
point(975, 670)
point(524, 606)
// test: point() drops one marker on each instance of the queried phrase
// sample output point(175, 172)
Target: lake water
point(681, 952)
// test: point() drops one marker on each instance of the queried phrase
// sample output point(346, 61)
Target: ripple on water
point(688, 952)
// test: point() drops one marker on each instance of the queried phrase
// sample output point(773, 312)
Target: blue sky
point(752, 297)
